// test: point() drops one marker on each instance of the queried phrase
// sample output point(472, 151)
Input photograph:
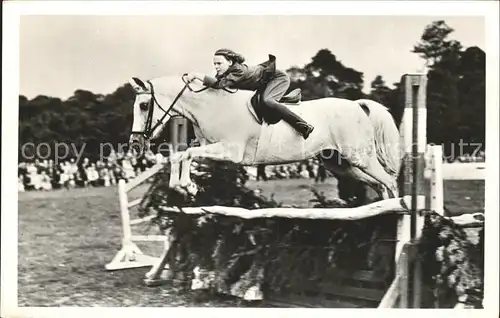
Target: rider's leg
point(275, 90)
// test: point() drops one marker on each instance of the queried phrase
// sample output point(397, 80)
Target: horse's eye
point(143, 106)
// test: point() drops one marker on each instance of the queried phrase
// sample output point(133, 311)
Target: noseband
point(148, 130)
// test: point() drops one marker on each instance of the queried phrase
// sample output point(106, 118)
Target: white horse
point(355, 138)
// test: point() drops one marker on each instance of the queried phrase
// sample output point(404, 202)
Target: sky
point(60, 54)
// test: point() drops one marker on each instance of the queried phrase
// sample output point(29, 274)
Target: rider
point(232, 73)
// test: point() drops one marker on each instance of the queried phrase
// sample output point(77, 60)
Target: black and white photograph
point(261, 157)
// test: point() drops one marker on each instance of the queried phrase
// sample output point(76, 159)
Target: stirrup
point(305, 130)
point(308, 132)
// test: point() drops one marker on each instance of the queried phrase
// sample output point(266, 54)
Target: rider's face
point(221, 64)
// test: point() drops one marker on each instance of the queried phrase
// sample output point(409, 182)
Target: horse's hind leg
point(376, 172)
point(373, 175)
point(360, 175)
point(334, 163)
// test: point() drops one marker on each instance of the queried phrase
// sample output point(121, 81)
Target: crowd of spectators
point(48, 175)
point(307, 169)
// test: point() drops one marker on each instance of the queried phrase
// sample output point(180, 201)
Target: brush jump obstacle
point(405, 289)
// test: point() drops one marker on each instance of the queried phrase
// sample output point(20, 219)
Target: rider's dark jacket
point(244, 77)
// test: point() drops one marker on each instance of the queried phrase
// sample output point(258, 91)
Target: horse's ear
point(138, 84)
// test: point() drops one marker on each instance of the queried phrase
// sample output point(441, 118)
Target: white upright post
point(413, 134)
point(129, 256)
point(414, 139)
point(125, 214)
point(436, 179)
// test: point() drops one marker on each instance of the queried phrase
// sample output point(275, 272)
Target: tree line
point(456, 107)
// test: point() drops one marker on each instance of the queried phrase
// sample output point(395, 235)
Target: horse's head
point(149, 115)
point(159, 99)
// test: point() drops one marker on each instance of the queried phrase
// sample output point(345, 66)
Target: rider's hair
point(230, 55)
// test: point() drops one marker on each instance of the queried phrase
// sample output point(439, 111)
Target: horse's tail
point(386, 135)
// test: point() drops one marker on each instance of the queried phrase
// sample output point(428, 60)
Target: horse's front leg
point(221, 151)
point(185, 172)
point(174, 174)
point(185, 179)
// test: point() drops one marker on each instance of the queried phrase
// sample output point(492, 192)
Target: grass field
point(66, 238)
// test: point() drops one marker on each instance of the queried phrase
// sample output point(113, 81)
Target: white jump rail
point(389, 206)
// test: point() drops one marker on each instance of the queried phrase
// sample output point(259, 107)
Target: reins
point(204, 88)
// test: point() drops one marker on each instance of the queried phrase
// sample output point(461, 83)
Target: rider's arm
point(208, 80)
point(228, 80)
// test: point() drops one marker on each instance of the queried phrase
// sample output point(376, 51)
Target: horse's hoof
point(191, 188)
point(391, 193)
point(155, 282)
point(395, 193)
point(253, 293)
point(180, 190)
point(164, 275)
point(340, 202)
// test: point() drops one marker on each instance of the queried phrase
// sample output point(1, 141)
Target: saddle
point(264, 114)
point(259, 109)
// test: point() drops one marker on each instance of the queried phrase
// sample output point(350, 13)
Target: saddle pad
point(252, 111)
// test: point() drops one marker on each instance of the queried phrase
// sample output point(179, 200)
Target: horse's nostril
point(136, 147)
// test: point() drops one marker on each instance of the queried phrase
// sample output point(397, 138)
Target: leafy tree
point(455, 90)
point(379, 91)
point(325, 76)
point(433, 45)
point(472, 94)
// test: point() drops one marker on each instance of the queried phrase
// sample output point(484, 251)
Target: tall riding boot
point(294, 120)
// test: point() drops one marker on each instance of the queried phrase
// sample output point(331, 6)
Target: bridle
point(148, 130)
